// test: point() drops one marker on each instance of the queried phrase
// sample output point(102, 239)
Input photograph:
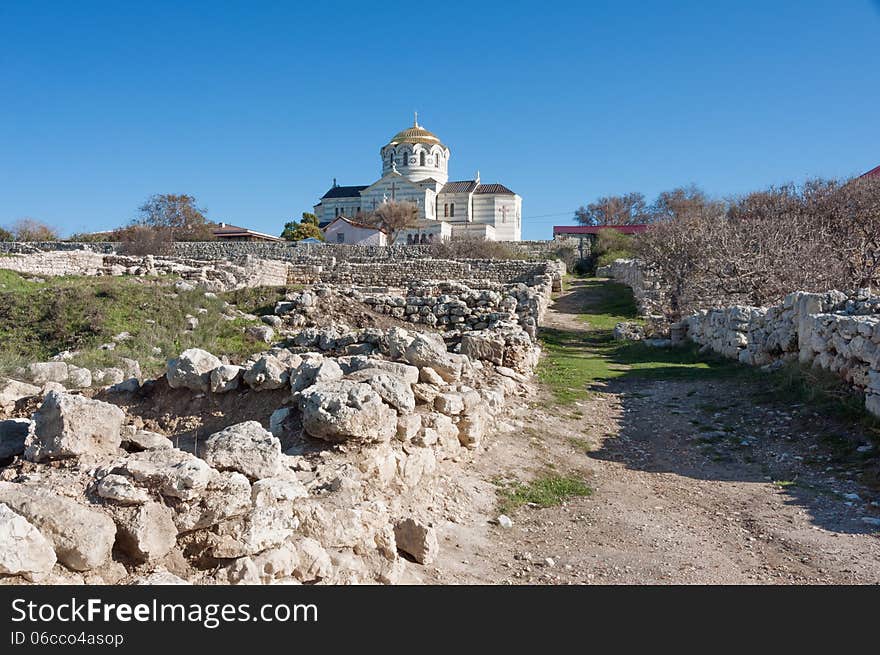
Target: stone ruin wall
point(398, 269)
point(833, 331)
point(96, 498)
point(288, 251)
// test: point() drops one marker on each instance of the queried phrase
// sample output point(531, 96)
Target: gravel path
point(694, 481)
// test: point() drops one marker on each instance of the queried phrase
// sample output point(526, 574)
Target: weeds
point(547, 491)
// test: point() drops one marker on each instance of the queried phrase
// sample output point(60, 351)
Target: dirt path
point(702, 479)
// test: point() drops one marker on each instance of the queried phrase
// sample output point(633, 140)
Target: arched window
point(451, 209)
point(390, 157)
point(422, 158)
point(403, 158)
point(437, 160)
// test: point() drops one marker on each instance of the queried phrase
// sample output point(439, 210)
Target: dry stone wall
point(296, 267)
point(361, 424)
point(288, 251)
point(832, 331)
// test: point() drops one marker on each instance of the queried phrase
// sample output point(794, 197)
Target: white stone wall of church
point(348, 207)
point(462, 207)
point(413, 170)
point(501, 211)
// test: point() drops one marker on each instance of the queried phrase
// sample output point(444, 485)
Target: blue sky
point(254, 107)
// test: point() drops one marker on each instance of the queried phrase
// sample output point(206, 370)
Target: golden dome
point(415, 134)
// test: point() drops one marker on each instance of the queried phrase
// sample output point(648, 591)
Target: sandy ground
point(760, 499)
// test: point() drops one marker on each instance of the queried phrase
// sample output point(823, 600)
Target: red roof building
point(561, 231)
point(874, 172)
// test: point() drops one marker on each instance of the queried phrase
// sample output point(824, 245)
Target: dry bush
point(30, 229)
point(140, 240)
point(755, 249)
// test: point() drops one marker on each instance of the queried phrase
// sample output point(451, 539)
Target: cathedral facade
point(415, 169)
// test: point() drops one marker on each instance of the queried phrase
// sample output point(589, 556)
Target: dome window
point(422, 159)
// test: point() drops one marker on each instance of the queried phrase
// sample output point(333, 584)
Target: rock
point(408, 426)
point(270, 491)
point(171, 472)
point(191, 323)
point(108, 376)
point(313, 561)
point(450, 404)
point(130, 367)
point(260, 333)
point(137, 440)
point(120, 489)
point(162, 578)
point(226, 496)
point(393, 390)
point(425, 393)
point(483, 345)
point(192, 370)
point(69, 426)
point(410, 374)
point(504, 521)
point(78, 378)
point(429, 376)
point(314, 369)
point(11, 391)
point(277, 420)
point(43, 372)
point(147, 532)
point(50, 387)
point(246, 448)
point(417, 540)
point(225, 378)
point(23, 549)
point(871, 520)
point(126, 386)
point(266, 373)
point(472, 427)
point(81, 537)
point(429, 350)
point(346, 410)
point(628, 331)
point(272, 321)
point(13, 433)
point(510, 373)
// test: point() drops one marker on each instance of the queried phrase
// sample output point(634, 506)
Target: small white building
point(415, 167)
point(344, 230)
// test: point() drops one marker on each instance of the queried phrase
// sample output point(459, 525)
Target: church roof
point(415, 134)
point(344, 192)
point(493, 188)
point(463, 186)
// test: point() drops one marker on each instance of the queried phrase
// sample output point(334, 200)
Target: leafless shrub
point(756, 249)
point(140, 240)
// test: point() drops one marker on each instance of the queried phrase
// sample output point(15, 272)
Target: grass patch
point(41, 319)
point(547, 491)
point(581, 444)
point(577, 359)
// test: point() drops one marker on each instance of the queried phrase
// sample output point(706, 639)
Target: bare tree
point(392, 218)
point(30, 229)
point(178, 214)
point(627, 209)
point(756, 249)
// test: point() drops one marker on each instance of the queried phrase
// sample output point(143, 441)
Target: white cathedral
point(415, 168)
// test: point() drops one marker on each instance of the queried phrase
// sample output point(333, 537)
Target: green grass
point(581, 444)
point(576, 360)
point(40, 319)
point(547, 491)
